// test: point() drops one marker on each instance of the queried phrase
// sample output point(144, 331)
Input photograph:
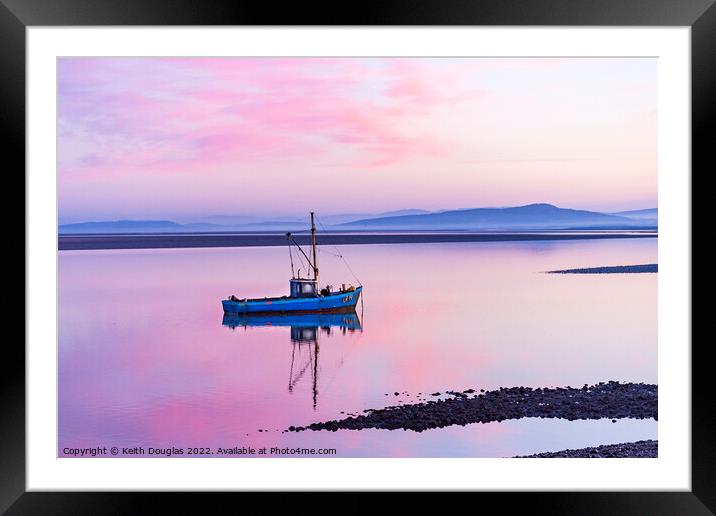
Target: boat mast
point(313, 245)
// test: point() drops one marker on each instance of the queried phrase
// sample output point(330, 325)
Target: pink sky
point(179, 138)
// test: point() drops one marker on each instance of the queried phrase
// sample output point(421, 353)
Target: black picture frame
point(17, 15)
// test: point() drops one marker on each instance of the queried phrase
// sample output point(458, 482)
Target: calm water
point(146, 359)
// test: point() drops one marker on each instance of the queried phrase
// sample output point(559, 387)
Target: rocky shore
point(612, 400)
point(635, 450)
point(617, 269)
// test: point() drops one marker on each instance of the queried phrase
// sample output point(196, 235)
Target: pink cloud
point(187, 114)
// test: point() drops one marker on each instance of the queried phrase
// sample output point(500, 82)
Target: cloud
point(151, 136)
point(125, 115)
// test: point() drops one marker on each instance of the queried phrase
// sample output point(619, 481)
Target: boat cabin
point(304, 287)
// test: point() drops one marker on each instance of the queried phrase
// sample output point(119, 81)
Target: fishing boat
point(305, 296)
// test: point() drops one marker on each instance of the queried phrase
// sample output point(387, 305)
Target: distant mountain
point(202, 227)
point(239, 220)
point(531, 216)
point(648, 214)
point(270, 225)
point(284, 221)
point(122, 226)
point(166, 226)
point(289, 222)
point(227, 220)
point(398, 213)
point(342, 218)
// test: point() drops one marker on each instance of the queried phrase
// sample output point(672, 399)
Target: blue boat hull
point(348, 321)
point(336, 302)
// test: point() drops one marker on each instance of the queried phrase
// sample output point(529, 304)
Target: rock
point(638, 449)
point(611, 400)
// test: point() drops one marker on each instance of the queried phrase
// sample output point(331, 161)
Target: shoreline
point(635, 450)
point(611, 400)
point(67, 242)
point(615, 269)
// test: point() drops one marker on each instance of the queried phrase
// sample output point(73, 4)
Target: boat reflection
point(304, 327)
point(305, 330)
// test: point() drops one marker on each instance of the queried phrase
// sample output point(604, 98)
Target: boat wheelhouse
point(303, 287)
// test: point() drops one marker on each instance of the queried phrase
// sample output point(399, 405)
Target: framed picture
point(444, 248)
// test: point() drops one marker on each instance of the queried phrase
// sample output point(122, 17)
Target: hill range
point(539, 216)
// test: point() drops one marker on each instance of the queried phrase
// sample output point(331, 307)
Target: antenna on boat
point(290, 255)
point(313, 245)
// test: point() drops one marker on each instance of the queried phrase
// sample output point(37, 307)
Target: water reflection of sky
point(144, 356)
